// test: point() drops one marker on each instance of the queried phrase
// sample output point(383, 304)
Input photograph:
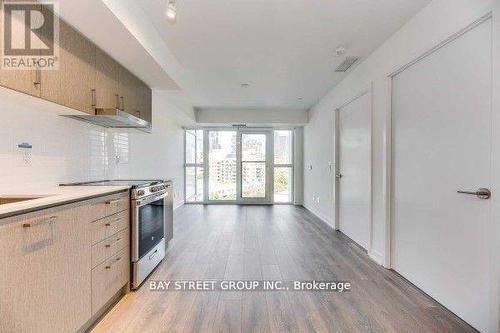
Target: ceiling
point(284, 49)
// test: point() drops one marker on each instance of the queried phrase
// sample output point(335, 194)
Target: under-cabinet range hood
point(114, 118)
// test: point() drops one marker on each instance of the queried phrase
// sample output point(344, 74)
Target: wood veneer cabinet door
point(50, 85)
point(46, 280)
point(26, 81)
point(145, 99)
point(127, 88)
point(77, 69)
point(135, 95)
point(137, 106)
point(106, 80)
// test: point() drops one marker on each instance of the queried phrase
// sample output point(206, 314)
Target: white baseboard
point(372, 254)
point(376, 256)
point(180, 204)
point(319, 215)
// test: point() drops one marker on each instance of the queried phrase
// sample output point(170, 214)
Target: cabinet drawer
point(101, 207)
point(116, 204)
point(109, 277)
point(108, 226)
point(108, 247)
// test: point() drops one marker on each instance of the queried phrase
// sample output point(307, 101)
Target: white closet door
point(442, 144)
point(355, 168)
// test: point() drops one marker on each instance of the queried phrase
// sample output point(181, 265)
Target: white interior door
point(442, 144)
point(354, 175)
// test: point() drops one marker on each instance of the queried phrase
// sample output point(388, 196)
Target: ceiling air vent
point(348, 62)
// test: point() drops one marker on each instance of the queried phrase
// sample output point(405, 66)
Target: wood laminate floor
point(273, 243)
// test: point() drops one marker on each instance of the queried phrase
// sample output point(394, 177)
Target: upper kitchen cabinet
point(77, 69)
point(107, 75)
point(51, 79)
point(135, 96)
point(127, 89)
point(26, 81)
point(87, 78)
point(146, 98)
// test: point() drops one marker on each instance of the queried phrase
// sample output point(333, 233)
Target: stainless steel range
point(150, 233)
point(151, 221)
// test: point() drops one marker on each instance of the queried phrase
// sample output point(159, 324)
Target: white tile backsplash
point(66, 150)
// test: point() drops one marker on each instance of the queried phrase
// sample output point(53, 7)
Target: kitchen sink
point(12, 199)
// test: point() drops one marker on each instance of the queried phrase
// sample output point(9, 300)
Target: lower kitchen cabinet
point(108, 278)
point(45, 285)
point(50, 279)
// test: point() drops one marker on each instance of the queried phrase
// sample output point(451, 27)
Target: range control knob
point(140, 192)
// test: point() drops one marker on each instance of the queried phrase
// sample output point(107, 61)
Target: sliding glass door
point(228, 165)
point(254, 161)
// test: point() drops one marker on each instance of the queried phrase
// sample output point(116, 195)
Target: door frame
point(268, 199)
point(269, 169)
point(337, 184)
point(388, 160)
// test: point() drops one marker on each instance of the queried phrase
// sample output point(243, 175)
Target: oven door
point(148, 224)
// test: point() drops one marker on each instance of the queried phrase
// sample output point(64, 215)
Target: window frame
point(194, 165)
point(290, 165)
point(204, 164)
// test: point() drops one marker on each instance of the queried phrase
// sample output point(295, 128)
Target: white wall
point(66, 150)
point(434, 24)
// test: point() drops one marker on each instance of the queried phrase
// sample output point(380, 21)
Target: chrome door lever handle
point(482, 193)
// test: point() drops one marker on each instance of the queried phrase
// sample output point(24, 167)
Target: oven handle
point(148, 200)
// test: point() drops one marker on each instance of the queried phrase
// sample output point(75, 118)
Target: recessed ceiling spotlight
point(245, 85)
point(340, 51)
point(171, 11)
point(300, 98)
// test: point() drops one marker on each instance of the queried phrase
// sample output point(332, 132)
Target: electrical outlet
point(24, 152)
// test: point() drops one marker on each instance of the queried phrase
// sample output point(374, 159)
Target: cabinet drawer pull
point(116, 241)
point(112, 202)
point(117, 101)
point(50, 220)
point(38, 79)
point(122, 99)
point(112, 222)
point(116, 260)
point(94, 101)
